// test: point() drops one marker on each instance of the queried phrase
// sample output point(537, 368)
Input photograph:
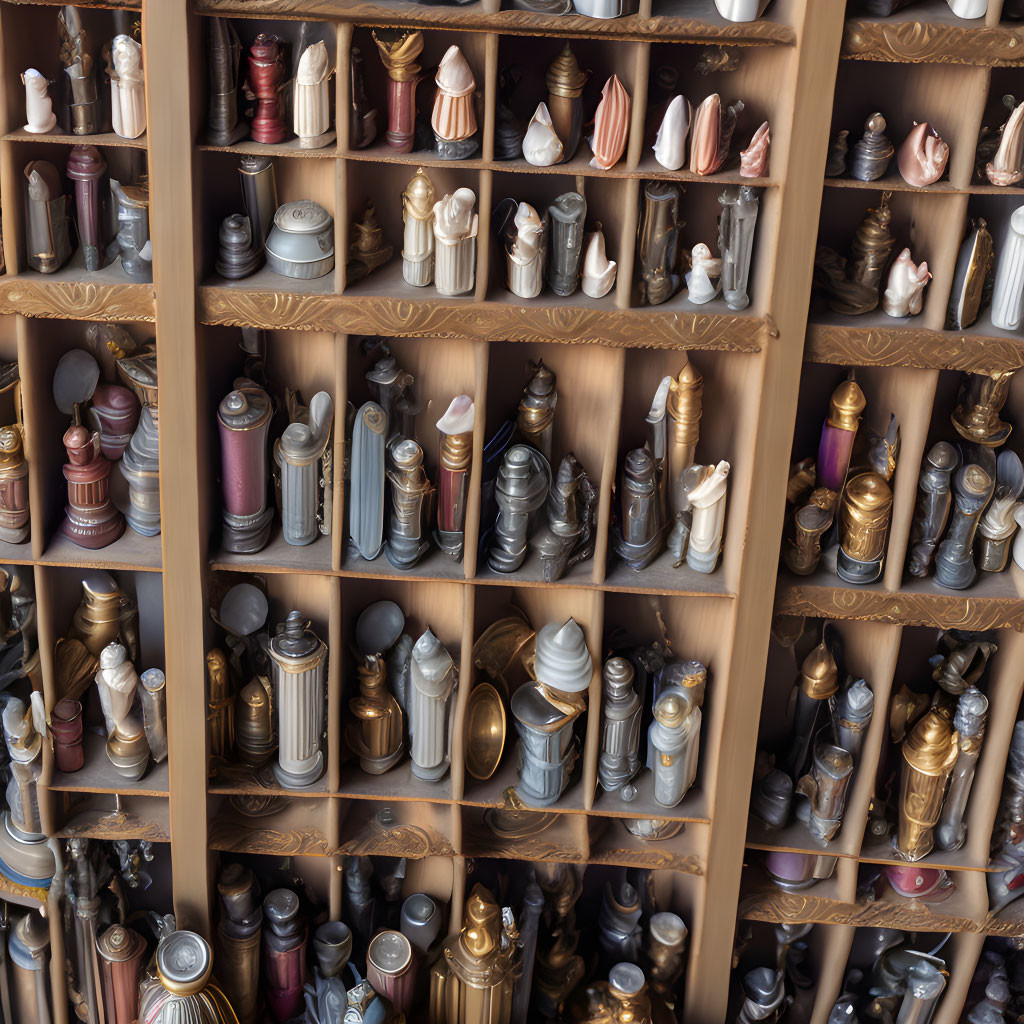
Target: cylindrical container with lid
point(301, 242)
point(863, 528)
point(121, 950)
point(66, 726)
point(566, 217)
point(929, 753)
point(284, 953)
point(182, 989)
point(838, 434)
point(673, 746)
point(391, 968)
point(243, 419)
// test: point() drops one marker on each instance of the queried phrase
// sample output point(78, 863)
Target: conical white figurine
point(541, 146)
point(525, 256)
point(700, 288)
point(670, 144)
point(598, 270)
point(1005, 167)
point(39, 115)
point(312, 108)
point(707, 500)
point(127, 88)
point(968, 9)
point(563, 659)
point(754, 159)
point(903, 294)
point(741, 10)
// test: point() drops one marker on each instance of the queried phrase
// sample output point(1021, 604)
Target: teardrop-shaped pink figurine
point(611, 125)
point(922, 157)
point(705, 135)
point(754, 159)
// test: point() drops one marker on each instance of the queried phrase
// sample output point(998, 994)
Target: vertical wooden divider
point(490, 97)
point(340, 448)
point(966, 948)
point(175, 276)
point(638, 118)
point(630, 213)
point(837, 942)
point(484, 247)
point(594, 628)
point(607, 471)
point(33, 428)
point(481, 357)
point(458, 755)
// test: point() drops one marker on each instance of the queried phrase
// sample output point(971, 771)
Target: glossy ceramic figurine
point(454, 458)
point(47, 242)
point(432, 678)
point(455, 232)
point(454, 115)
point(700, 287)
point(998, 524)
point(266, 76)
point(863, 528)
point(14, 508)
point(133, 247)
point(1008, 292)
point(127, 88)
point(969, 722)
point(305, 470)
point(84, 105)
point(670, 143)
point(611, 125)
point(418, 236)
point(971, 278)
point(285, 941)
point(736, 225)
point(934, 500)
point(301, 242)
point(711, 134)
point(117, 682)
point(923, 156)
point(1005, 167)
point(754, 159)
point(954, 563)
point(599, 272)
point(411, 498)
point(367, 250)
point(91, 520)
point(571, 513)
point(524, 254)
point(619, 760)
point(86, 168)
point(398, 52)
point(565, 219)
point(565, 81)
point(873, 152)
point(904, 294)
point(741, 10)
point(311, 114)
point(243, 419)
point(541, 144)
point(854, 285)
point(658, 242)
point(39, 115)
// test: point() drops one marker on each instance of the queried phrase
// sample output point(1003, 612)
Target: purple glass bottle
point(838, 435)
point(244, 419)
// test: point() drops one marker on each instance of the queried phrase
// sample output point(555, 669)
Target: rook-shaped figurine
point(873, 152)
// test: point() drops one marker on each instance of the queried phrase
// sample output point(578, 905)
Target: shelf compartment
point(408, 830)
point(612, 843)
point(101, 817)
point(98, 775)
point(296, 829)
point(563, 840)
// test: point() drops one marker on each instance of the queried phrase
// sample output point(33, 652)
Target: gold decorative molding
point(76, 300)
point(481, 321)
point(653, 859)
point(919, 41)
point(97, 824)
point(940, 350)
point(953, 611)
point(20, 893)
point(412, 841)
point(234, 836)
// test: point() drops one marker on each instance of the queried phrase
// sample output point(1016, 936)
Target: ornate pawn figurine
point(999, 522)
point(535, 414)
point(127, 88)
point(565, 81)
point(838, 434)
point(243, 419)
point(223, 62)
point(299, 679)
point(954, 563)
point(673, 745)
point(619, 761)
point(571, 510)
point(454, 116)
point(117, 682)
point(86, 168)
point(611, 125)
point(699, 285)
point(541, 144)
point(455, 456)
point(14, 510)
point(904, 293)
point(969, 722)
point(979, 403)
point(658, 240)
point(825, 786)
point(863, 528)
point(1008, 292)
point(670, 142)
point(521, 489)
point(546, 709)
point(929, 753)
point(304, 468)
point(754, 159)
point(707, 500)
point(971, 277)
point(140, 464)
point(39, 115)
point(285, 937)
point(91, 520)
point(266, 76)
point(433, 678)
point(238, 941)
point(934, 500)
point(47, 242)
point(23, 731)
point(819, 683)
point(473, 980)
point(255, 739)
point(923, 156)
point(376, 732)
point(524, 254)
point(873, 152)
point(82, 96)
point(564, 219)
point(398, 52)
point(311, 117)
point(418, 237)
point(736, 225)
point(411, 499)
point(455, 231)
point(1005, 167)
point(598, 271)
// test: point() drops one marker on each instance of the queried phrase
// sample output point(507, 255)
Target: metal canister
point(243, 418)
point(863, 528)
point(120, 951)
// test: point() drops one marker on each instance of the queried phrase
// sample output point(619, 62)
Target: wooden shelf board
point(996, 601)
point(293, 831)
point(74, 293)
point(878, 850)
point(794, 838)
point(695, 22)
point(662, 577)
point(618, 847)
point(279, 556)
point(931, 33)
point(693, 806)
point(895, 183)
point(145, 818)
point(234, 779)
point(260, 302)
point(435, 565)
point(16, 554)
point(131, 552)
point(560, 842)
point(114, 5)
point(397, 783)
point(64, 139)
point(362, 833)
point(531, 573)
point(288, 148)
point(98, 775)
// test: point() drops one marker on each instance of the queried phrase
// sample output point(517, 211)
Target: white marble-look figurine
point(127, 88)
point(39, 115)
point(707, 500)
point(541, 146)
point(598, 271)
point(968, 9)
point(741, 10)
point(455, 231)
point(904, 292)
point(1008, 292)
point(525, 256)
point(670, 144)
point(311, 106)
point(116, 681)
point(699, 284)
point(602, 9)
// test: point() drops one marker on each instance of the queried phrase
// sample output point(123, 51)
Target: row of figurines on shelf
point(84, 108)
point(407, 695)
point(968, 500)
point(939, 730)
point(666, 498)
point(869, 275)
point(439, 242)
point(395, 957)
point(111, 424)
point(111, 217)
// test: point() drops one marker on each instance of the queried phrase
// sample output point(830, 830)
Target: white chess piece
point(541, 145)
point(1008, 292)
point(598, 271)
point(741, 10)
point(311, 118)
point(39, 115)
point(127, 88)
point(670, 144)
point(968, 9)
point(699, 285)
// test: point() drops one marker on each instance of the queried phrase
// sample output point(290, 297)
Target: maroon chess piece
point(91, 520)
point(86, 168)
point(266, 72)
point(116, 415)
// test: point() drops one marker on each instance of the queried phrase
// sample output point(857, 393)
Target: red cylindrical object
point(91, 520)
point(66, 726)
point(391, 969)
point(401, 114)
point(86, 168)
point(266, 72)
point(284, 973)
point(121, 951)
point(451, 499)
point(244, 419)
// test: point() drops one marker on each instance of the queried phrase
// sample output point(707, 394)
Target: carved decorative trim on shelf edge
point(919, 41)
point(77, 300)
point(488, 321)
point(940, 350)
point(126, 5)
point(233, 836)
point(412, 841)
point(114, 825)
point(486, 844)
point(651, 860)
point(939, 610)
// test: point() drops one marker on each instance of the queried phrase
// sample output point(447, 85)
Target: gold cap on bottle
point(846, 405)
point(819, 674)
point(564, 77)
point(931, 747)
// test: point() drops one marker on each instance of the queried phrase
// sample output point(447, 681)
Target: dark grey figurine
point(873, 152)
point(934, 500)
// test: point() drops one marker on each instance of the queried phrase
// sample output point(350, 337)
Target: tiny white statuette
point(968, 9)
point(127, 88)
point(741, 10)
point(312, 110)
point(455, 231)
point(525, 257)
point(541, 146)
point(699, 285)
point(39, 115)
point(707, 501)
point(904, 292)
point(598, 270)
point(670, 144)
point(1008, 292)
